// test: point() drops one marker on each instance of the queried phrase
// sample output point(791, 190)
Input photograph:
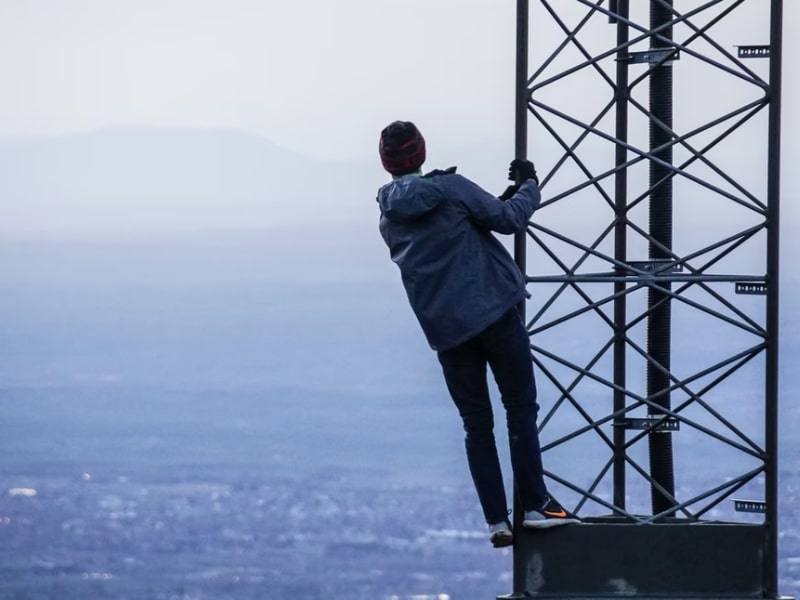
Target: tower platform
point(609, 557)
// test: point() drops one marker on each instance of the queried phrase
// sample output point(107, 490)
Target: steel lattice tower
point(653, 269)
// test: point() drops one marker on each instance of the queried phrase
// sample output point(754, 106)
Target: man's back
point(459, 278)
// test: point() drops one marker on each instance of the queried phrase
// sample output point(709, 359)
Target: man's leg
point(507, 346)
point(464, 369)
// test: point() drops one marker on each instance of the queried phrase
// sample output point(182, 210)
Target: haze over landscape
point(210, 410)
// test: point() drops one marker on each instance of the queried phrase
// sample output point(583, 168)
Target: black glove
point(510, 191)
point(521, 170)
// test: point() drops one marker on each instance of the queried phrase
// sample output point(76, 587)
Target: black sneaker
point(500, 534)
point(552, 514)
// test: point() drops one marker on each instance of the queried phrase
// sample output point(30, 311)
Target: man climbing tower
point(464, 289)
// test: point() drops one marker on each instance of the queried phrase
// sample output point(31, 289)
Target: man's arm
point(490, 212)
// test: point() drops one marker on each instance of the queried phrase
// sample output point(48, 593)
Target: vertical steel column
point(773, 302)
point(620, 250)
point(521, 114)
point(659, 322)
point(522, 94)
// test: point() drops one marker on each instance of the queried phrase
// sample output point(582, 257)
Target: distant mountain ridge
point(163, 179)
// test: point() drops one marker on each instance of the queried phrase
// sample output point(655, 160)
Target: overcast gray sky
point(318, 76)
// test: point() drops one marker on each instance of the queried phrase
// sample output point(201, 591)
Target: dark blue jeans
point(504, 347)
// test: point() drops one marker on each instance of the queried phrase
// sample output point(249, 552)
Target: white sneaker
point(500, 534)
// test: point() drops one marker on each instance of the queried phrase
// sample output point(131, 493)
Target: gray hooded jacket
point(459, 278)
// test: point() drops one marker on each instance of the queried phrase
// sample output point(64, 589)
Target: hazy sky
point(319, 76)
point(316, 75)
point(323, 78)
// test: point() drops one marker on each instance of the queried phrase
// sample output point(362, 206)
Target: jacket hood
point(409, 198)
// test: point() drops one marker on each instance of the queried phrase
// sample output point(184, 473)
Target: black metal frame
point(691, 282)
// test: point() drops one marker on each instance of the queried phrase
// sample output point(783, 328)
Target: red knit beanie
point(402, 148)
